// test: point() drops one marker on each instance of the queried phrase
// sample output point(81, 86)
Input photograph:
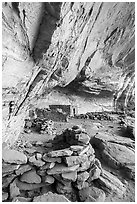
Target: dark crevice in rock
point(99, 11)
point(15, 6)
point(112, 33)
point(49, 22)
point(90, 12)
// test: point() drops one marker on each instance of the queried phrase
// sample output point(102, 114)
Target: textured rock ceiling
point(85, 46)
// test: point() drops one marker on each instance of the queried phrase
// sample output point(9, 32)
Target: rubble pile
point(41, 126)
point(96, 116)
point(66, 166)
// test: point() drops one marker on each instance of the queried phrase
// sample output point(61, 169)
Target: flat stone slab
point(23, 168)
point(61, 168)
point(76, 148)
point(28, 186)
point(30, 177)
point(73, 160)
point(9, 168)
point(60, 153)
point(50, 197)
point(51, 159)
point(13, 156)
point(72, 176)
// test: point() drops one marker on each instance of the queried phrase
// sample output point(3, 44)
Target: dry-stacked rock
point(78, 165)
point(66, 165)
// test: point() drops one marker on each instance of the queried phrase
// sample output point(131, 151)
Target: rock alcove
point(67, 65)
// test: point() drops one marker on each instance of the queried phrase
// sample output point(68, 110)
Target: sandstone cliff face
point(88, 47)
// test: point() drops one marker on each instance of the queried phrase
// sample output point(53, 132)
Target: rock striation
point(94, 54)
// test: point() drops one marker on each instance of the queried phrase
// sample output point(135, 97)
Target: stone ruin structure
point(63, 169)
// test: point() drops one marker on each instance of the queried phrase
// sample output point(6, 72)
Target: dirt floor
point(92, 127)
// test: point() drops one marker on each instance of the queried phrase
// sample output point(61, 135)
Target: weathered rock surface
point(72, 176)
point(7, 180)
point(23, 168)
point(26, 186)
point(50, 197)
point(111, 183)
point(61, 168)
point(98, 36)
point(14, 190)
point(30, 177)
point(36, 162)
point(49, 179)
point(51, 159)
point(48, 165)
point(4, 196)
point(92, 194)
point(13, 156)
point(117, 151)
point(94, 173)
point(60, 153)
point(83, 176)
point(9, 168)
point(73, 160)
point(63, 189)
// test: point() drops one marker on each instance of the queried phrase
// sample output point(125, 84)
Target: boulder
point(50, 197)
point(14, 156)
point(117, 151)
point(30, 177)
point(92, 194)
point(111, 183)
